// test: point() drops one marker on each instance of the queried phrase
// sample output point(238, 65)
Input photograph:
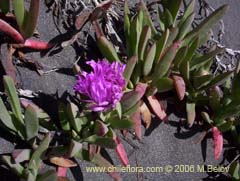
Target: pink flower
point(103, 86)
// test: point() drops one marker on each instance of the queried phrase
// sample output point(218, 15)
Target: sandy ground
point(164, 146)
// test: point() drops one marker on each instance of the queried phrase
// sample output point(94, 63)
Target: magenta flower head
point(103, 86)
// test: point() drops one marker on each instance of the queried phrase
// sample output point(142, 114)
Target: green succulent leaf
point(172, 36)
point(164, 84)
point(161, 44)
point(234, 170)
point(202, 60)
point(191, 113)
point(15, 167)
point(101, 141)
point(201, 81)
point(31, 123)
point(123, 123)
point(63, 117)
point(36, 158)
point(19, 11)
point(164, 64)
point(72, 111)
point(173, 6)
point(207, 24)
point(21, 155)
point(129, 68)
point(144, 38)
point(206, 117)
point(148, 60)
point(225, 126)
point(182, 52)
point(5, 117)
point(107, 49)
point(135, 31)
point(189, 10)
point(31, 18)
point(185, 26)
point(13, 97)
point(167, 18)
point(219, 79)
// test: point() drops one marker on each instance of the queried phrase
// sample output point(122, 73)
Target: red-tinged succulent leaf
point(62, 162)
point(120, 150)
point(82, 19)
point(136, 117)
point(157, 108)
point(146, 115)
point(37, 45)
point(100, 128)
point(179, 86)
point(10, 31)
point(217, 142)
point(61, 171)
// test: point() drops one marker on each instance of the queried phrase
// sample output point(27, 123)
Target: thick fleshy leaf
point(164, 64)
point(10, 31)
point(31, 18)
point(131, 98)
point(147, 17)
point(101, 141)
point(134, 36)
point(62, 171)
point(191, 113)
point(157, 108)
point(202, 60)
point(217, 142)
point(100, 128)
point(146, 115)
point(173, 6)
point(107, 49)
point(72, 111)
point(123, 123)
point(13, 97)
point(20, 155)
point(182, 52)
point(62, 162)
point(224, 126)
point(219, 79)
point(136, 117)
point(148, 60)
point(207, 23)
point(129, 68)
point(172, 36)
point(100, 161)
point(167, 18)
point(31, 123)
point(63, 117)
point(35, 160)
point(215, 94)
point(164, 84)
point(180, 86)
point(37, 45)
point(234, 170)
point(189, 10)
point(185, 26)
point(119, 109)
point(144, 38)
point(120, 150)
point(200, 81)
point(19, 11)
point(161, 44)
point(17, 168)
point(5, 117)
